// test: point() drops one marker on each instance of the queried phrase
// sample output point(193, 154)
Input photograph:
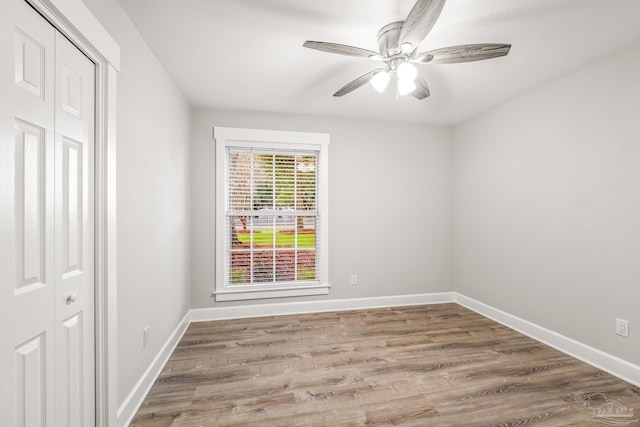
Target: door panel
point(74, 293)
point(71, 380)
point(27, 279)
point(72, 207)
point(30, 64)
point(71, 91)
point(29, 207)
point(30, 383)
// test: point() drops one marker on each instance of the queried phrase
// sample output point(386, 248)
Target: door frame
point(76, 22)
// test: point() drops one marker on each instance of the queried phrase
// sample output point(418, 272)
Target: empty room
point(336, 213)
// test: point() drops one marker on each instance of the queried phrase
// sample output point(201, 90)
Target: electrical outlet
point(622, 328)
point(354, 279)
point(145, 337)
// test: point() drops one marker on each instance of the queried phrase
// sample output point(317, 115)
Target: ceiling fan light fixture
point(380, 81)
point(405, 86)
point(397, 45)
point(407, 71)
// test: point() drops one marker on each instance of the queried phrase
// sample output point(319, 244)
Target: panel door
point(46, 346)
point(74, 272)
point(27, 265)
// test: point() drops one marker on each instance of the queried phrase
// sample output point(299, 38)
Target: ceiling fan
point(398, 42)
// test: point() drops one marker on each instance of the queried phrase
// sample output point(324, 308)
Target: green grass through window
point(264, 236)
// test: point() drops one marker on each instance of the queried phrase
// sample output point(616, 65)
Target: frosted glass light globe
point(380, 81)
point(405, 87)
point(407, 71)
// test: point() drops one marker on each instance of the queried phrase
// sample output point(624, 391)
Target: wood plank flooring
point(432, 365)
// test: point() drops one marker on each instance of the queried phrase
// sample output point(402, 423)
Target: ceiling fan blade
point(465, 53)
point(359, 82)
point(342, 49)
point(422, 89)
point(421, 19)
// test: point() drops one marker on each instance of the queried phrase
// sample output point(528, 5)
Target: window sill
point(283, 292)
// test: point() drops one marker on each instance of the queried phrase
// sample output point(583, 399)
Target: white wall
point(547, 205)
point(376, 170)
point(153, 140)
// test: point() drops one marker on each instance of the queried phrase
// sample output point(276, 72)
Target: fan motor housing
point(388, 38)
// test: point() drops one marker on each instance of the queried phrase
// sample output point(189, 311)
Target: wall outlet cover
point(145, 337)
point(622, 328)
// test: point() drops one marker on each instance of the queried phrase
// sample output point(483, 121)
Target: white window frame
point(238, 137)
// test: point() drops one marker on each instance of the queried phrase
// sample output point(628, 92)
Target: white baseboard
point(277, 309)
point(614, 365)
point(132, 402)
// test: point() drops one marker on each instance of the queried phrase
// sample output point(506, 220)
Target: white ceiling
point(248, 54)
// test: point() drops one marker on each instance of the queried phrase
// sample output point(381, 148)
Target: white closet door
point(27, 278)
point(74, 225)
point(46, 229)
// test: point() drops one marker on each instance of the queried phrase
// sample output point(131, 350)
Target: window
point(271, 214)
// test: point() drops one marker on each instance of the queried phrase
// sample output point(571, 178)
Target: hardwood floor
point(433, 365)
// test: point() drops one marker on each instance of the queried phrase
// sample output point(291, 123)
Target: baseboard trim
point(302, 307)
point(620, 368)
point(133, 401)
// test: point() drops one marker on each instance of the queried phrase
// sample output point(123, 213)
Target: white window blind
point(271, 214)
